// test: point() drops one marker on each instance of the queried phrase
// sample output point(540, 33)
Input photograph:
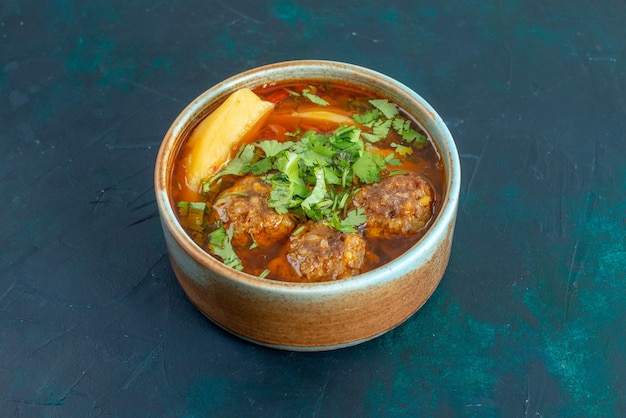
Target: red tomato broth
point(343, 99)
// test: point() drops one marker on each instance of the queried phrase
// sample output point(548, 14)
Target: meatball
point(322, 253)
point(397, 205)
point(244, 207)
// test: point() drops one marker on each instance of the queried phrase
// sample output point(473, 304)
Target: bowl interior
point(309, 70)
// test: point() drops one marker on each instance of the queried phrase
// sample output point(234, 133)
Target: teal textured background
point(529, 319)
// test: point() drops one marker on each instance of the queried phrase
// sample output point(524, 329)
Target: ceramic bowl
point(310, 316)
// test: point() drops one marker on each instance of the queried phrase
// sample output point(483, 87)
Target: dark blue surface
point(530, 318)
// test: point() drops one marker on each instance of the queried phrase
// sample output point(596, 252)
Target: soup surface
point(329, 182)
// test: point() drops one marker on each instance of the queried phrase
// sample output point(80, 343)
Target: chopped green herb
point(197, 206)
point(332, 175)
point(288, 164)
point(282, 198)
point(318, 192)
point(272, 148)
point(402, 149)
point(400, 125)
point(314, 97)
point(403, 128)
point(367, 119)
point(392, 160)
point(264, 273)
point(381, 128)
point(237, 166)
point(193, 212)
point(354, 218)
point(298, 230)
point(254, 243)
point(413, 136)
point(220, 244)
point(368, 167)
point(389, 110)
point(183, 208)
point(371, 137)
point(261, 166)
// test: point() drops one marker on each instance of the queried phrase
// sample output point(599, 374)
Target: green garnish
point(220, 244)
point(381, 128)
point(371, 137)
point(237, 166)
point(402, 149)
point(271, 148)
point(315, 203)
point(367, 119)
point(368, 167)
point(392, 160)
point(384, 117)
point(353, 219)
point(389, 110)
point(193, 212)
point(298, 230)
point(183, 208)
point(408, 134)
point(314, 97)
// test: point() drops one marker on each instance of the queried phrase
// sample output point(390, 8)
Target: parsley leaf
point(389, 110)
point(367, 168)
point(272, 147)
point(282, 197)
point(183, 208)
point(354, 218)
point(237, 166)
point(381, 128)
point(412, 135)
point(261, 167)
point(288, 165)
point(314, 97)
point(368, 118)
point(392, 160)
point(319, 191)
point(371, 137)
point(220, 244)
point(400, 125)
point(193, 212)
point(408, 134)
point(332, 175)
point(402, 149)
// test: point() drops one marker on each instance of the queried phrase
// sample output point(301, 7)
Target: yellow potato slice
point(325, 116)
point(211, 142)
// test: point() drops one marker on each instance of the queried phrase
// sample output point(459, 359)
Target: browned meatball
point(321, 253)
point(244, 207)
point(397, 205)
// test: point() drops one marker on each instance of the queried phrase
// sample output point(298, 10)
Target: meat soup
point(307, 181)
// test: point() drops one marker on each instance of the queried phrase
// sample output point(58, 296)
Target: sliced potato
point(211, 143)
point(323, 115)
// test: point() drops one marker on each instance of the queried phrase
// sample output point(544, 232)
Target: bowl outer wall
point(311, 316)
